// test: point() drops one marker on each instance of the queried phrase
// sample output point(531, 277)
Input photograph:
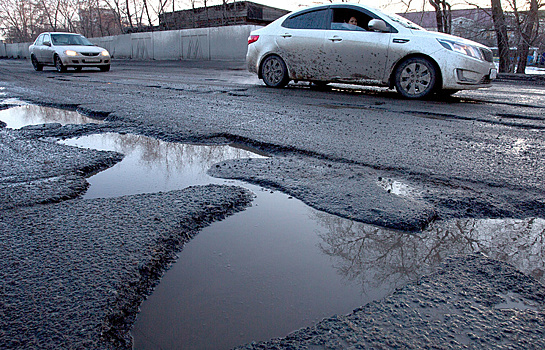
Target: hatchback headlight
point(70, 53)
point(462, 48)
point(105, 53)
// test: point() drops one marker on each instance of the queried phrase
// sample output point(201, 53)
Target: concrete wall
point(218, 43)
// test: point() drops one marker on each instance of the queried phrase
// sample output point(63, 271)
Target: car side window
point(307, 20)
point(39, 40)
point(350, 19)
point(46, 39)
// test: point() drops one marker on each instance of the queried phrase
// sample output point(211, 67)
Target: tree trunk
point(442, 15)
point(527, 37)
point(501, 35)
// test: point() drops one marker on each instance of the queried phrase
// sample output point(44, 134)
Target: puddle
point(281, 265)
point(151, 165)
point(27, 114)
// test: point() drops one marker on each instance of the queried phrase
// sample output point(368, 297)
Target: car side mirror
point(378, 25)
point(47, 43)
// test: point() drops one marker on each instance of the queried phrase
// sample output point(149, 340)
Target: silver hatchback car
point(63, 50)
point(356, 44)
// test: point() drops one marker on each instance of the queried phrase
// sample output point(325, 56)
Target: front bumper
point(83, 61)
point(460, 72)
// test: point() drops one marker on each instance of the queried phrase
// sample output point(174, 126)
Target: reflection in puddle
point(280, 265)
point(151, 165)
point(22, 115)
point(378, 257)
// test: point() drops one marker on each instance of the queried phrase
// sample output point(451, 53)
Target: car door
point(37, 47)
point(46, 50)
point(355, 53)
point(301, 44)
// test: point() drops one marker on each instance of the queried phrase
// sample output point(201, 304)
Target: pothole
point(27, 114)
point(279, 265)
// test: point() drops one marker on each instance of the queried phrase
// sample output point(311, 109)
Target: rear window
point(308, 20)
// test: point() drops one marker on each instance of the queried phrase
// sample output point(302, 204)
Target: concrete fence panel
point(167, 45)
point(142, 46)
point(195, 44)
point(230, 43)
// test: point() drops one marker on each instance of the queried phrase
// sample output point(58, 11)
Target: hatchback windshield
point(70, 39)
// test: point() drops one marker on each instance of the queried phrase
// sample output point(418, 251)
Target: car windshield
point(70, 39)
point(403, 21)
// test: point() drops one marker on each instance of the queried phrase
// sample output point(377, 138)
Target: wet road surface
point(473, 156)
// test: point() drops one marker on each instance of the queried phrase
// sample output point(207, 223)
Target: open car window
point(349, 19)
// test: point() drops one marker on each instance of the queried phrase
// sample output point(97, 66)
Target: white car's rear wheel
point(415, 77)
point(274, 72)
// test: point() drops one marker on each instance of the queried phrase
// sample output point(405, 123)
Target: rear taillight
point(252, 39)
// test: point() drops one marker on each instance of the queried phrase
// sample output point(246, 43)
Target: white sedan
point(63, 50)
point(352, 43)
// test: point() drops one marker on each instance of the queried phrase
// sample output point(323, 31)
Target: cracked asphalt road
point(475, 155)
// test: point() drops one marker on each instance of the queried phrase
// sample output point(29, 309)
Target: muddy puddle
point(281, 265)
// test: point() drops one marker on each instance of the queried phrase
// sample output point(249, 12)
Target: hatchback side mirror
point(47, 43)
point(378, 25)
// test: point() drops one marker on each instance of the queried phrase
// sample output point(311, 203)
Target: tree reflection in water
point(388, 259)
point(27, 114)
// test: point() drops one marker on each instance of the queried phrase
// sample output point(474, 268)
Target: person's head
point(353, 21)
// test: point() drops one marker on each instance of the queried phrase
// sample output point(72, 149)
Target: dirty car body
point(318, 44)
point(63, 50)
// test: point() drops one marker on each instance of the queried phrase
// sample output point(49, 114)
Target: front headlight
point(70, 53)
point(462, 48)
point(105, 53)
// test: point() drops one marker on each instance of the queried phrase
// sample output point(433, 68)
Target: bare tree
point(442, 15)
point(527, 29)
point(500, 27)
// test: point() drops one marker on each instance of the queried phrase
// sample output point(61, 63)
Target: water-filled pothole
point(28, 114)
point(281, 265)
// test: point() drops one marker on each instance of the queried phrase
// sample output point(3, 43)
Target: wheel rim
point(58, 64)
point(415, 78)
point(273, 71)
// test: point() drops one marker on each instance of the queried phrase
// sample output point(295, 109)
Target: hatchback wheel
point(274, 72)
point(415, 77)
point(37, 66)
point(58, 64)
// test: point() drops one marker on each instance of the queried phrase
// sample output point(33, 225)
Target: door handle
point(285, 35)
point(335, 38)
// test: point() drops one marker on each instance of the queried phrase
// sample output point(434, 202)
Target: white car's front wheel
point(59, 66)
point(415, 77)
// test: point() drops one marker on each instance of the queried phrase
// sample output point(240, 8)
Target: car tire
point(37, 66)
point(415, 78)
point(59, 66)
point(274, 72)
point(105, 68)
